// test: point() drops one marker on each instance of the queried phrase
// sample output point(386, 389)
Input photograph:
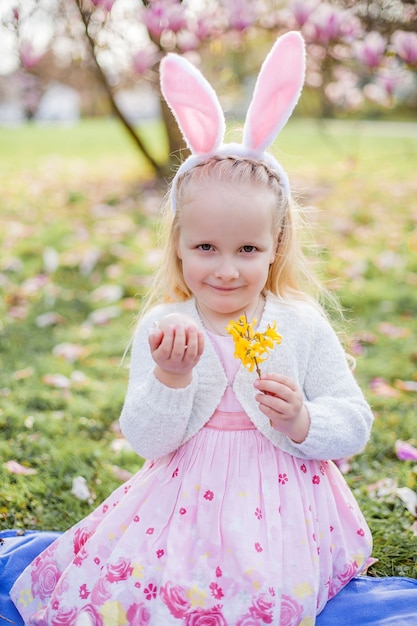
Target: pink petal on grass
point(406, 385)
point(405, 451)
point(71, 352)
point(120, 473)
point(380, 387)
point(59, 381)
point(396, 332)
point(27, 372)
point(15, 468)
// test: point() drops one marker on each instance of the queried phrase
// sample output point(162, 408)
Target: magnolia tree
point(357, 51)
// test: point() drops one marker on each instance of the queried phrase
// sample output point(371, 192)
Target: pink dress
point(228, 530)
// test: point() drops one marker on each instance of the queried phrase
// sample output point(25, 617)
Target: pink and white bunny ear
point(277, 90)
point(194, 104)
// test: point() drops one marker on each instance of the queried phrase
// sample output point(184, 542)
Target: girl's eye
point(248, 248)
point(205, 246)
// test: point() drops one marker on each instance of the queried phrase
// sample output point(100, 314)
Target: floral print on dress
point(222, 554)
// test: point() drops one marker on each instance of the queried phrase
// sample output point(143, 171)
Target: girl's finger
point(274, 389)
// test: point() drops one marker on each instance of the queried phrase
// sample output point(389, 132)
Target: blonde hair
point(290, 276)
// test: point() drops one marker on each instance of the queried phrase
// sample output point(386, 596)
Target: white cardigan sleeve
point(154, 417)
point(340, 416)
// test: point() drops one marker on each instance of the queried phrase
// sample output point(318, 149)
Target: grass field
point(77, 249)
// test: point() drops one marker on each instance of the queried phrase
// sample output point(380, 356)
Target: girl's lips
point(220, 288)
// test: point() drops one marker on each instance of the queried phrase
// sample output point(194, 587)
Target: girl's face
point(226, 244)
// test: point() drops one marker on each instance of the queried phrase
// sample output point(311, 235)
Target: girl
point(238, 517)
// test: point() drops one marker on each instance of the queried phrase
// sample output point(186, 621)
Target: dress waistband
point(225, 420)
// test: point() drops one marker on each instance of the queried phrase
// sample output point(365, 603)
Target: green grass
point(78, 212)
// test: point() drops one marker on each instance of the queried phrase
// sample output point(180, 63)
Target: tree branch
point(160, 170)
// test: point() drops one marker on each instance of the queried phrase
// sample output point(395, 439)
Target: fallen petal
point(120, 473)
point(100, 317)
point(409, 498)
point(27, 372)
point(49, 319)
point(382, 488)
point(380, 387)
point(15, 468)
point(71, 352)
point(80, 488)
point(58, 381)
point(405, 451)
point(406, 385)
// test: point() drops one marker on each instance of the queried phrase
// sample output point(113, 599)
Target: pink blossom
point(207, 25)
point(45, 575)
point(258, 547)
point(316, 479)
point(175, 598)
point(302, 9)
point(203, 617)
point(209, 495)
point(219, 572)
point(371, 50)
point(291, 611)
point(405, 45)
point(240, 13)
point(121, 570)
point(262, 608)
point(161, 15)
point(107, 5)
point(28, 57)
point(138, 614)
point(388, 81)
point(326, 24)
point(175, 14)
point(282, 479)
point(188, 40)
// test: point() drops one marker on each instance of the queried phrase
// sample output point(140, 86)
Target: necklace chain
point(211, 327)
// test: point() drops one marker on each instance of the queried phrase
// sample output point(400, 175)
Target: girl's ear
point(193, 103)
point(277, 90)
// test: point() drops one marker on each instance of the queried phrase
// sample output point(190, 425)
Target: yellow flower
point(252, 347)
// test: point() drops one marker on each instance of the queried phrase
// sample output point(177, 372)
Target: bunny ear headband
point(200, 118)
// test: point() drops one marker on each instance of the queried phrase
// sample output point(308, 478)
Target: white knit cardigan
point(157, 419)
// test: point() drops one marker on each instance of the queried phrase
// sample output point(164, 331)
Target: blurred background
point(63, 60)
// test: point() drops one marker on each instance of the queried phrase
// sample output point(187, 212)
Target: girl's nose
point(226, 270)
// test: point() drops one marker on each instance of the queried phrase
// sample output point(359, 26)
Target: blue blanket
point(365, 601)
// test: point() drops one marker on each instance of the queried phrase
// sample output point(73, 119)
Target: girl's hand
point(176, 346)
point(281, 400)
